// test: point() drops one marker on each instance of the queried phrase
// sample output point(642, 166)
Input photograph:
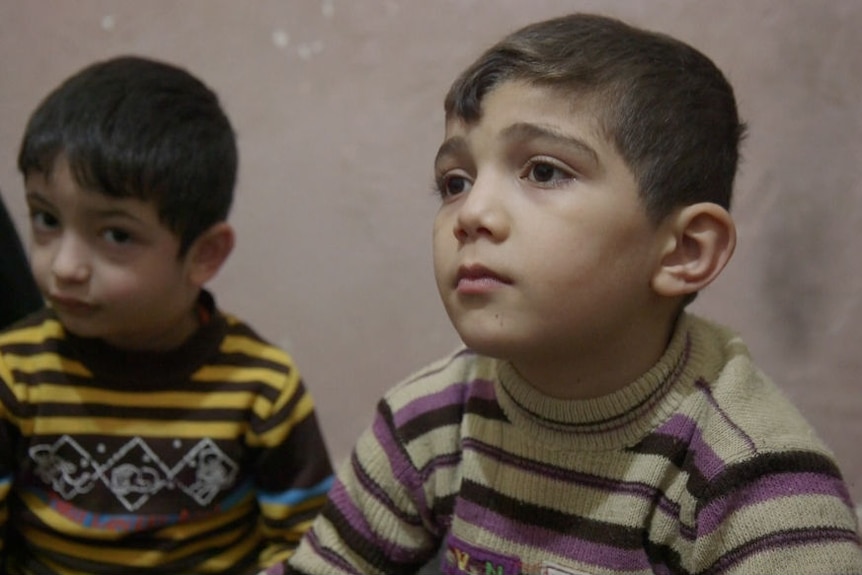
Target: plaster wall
point(338, 107)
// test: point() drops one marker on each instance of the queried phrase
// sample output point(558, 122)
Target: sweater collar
point(111, 364)
point(619, 419)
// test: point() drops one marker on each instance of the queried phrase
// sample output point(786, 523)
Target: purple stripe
point(705, 459)
point(328, 555)
point(376, 492)
point(341, 499)
point(704, 387)
point(402, 468)
point(358, 522)
point(774, 541)
point(455, 394)
point(440, 462)
point(598, 554)
point(765, 489)
point(482, 388)
point(662, 569)
point(637, 489)
point(451, 395)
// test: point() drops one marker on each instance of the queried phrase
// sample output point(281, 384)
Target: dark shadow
point(19, 294)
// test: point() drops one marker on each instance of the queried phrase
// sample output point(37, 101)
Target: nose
point(483, 211)
point(71, 263)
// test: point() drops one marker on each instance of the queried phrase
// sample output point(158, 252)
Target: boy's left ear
point(209, 252)
point(698, 243)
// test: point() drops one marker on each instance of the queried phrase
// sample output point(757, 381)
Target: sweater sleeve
point(778, 512)
point(377, 518)
point(293, 472)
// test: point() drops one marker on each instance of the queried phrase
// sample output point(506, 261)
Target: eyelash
point(440, 185)
point(561, 176)
point(42, 219)
point(112, 234)
point(44, 222)
point(558, 170)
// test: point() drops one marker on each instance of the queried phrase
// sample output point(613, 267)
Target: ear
point(209, 252)
point(700, 241)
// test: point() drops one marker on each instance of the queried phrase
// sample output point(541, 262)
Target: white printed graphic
point(135, 473)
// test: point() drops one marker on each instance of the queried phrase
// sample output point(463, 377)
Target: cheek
point(40, 266)
point(442, 223)
point(441, 240)
point(129, 284)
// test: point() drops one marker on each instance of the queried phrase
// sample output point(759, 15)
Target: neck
point(168, 335)
point(587, 370)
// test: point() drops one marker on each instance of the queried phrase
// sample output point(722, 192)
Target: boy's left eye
point(546, 172)
point(117, 236)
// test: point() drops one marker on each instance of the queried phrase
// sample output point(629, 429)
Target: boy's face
point(107, 265)
point(543, 250)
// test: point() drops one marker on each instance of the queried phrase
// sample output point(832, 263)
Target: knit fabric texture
point(203, 459)
point(699, 466)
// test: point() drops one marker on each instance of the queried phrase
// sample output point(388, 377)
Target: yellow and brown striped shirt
point(204, 459)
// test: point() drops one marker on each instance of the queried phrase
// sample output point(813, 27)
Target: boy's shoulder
point(35, 328)
point(745, 411)
point(452, 376)
point(29, 341)
point(237, 338)
point(242, 338)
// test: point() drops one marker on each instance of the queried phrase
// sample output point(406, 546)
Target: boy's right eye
point(453, 185)
point(43, 221)
point(117, 236)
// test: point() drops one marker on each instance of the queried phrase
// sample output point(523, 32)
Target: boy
point(590, 425)
point(141, 429)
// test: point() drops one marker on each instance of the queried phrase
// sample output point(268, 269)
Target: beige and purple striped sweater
point(699, 466)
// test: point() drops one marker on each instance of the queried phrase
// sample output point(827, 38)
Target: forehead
point(60, 188)
point(516, 102)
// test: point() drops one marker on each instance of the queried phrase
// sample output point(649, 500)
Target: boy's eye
point(117, 236)
point(42, 220)
point(453, 185)
point(546, 173)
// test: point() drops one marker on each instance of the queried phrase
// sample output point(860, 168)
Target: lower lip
point(478, 286)
point(73, 307)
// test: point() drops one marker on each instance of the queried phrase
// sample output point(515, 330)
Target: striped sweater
point(204, 459)
point(699, 466)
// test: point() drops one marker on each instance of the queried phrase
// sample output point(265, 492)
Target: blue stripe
point(294, 496)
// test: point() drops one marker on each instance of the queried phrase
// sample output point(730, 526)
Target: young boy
point(141, 429)
point(590, 425)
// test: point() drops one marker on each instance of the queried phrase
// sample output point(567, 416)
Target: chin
point(82, 331)
point(491, 345)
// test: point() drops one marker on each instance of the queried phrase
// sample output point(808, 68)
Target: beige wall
point(338, 108)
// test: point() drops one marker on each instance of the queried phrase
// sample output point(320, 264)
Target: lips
point(477, 279)
point(70, 304)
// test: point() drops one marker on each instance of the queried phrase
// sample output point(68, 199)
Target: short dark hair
point(666, 107)
point(135, 127)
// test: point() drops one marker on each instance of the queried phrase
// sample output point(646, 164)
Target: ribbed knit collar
point(613, 421)
point(109, 364)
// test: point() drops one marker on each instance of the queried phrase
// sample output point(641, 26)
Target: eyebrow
point(527, 131)
point(523, 131)
point(103, 213)
point(451, 147)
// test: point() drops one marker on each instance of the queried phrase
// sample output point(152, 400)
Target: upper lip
point(68, 301)
point(478, 271)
